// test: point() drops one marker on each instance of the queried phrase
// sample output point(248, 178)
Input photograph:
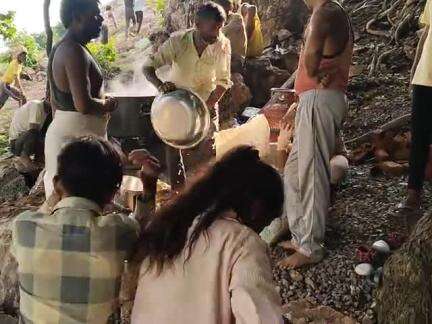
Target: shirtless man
point(321, 84)
point(76, 84)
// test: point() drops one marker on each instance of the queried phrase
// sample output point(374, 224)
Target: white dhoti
point(65, 126)
point(307, 173)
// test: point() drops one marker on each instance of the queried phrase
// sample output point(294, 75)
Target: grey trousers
point(307, 173)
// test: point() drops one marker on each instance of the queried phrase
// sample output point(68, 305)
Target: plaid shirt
point(71, 262)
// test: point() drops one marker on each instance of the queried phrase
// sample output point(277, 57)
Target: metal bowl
point(180, 118)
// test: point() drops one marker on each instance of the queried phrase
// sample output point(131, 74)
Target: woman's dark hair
point(237, 182)
point(91, 168)
point(211, 11)
point(69, 9)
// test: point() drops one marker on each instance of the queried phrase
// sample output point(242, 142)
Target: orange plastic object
point(276, 108)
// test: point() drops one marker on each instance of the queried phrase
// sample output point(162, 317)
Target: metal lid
point(180, 118)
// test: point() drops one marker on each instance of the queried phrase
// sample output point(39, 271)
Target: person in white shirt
point(26, 130)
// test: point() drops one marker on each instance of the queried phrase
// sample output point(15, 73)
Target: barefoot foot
point(288, 245)
point(297, 260)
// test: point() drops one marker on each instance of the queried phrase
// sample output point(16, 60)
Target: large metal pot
point(132, 118)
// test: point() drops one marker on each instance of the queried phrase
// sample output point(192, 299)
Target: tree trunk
point(48, 29)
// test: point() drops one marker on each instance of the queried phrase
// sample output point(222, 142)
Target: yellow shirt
point(189, 71)
point(14, 70)
point(256, 41)
point(423, 74)
point(235, 31)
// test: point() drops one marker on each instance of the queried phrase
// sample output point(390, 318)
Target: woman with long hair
point(200, 257)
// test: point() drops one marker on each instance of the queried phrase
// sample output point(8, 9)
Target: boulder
point(12, 183)
point(289, 15)
point(260, 76)
point(275, 15)
point(235, 99)
point(303, 311)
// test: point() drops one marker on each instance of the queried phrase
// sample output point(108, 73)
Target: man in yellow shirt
point(421, 118)
point(200, 61)
point(10, 84)
point(199, 58)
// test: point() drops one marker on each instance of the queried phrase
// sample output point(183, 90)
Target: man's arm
point(76, 68)
point(149, 174)
point(419, 51)
point(223, 76)
point(165, 55)
point(315, 42)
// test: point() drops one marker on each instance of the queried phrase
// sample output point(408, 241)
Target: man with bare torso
point(76, 84)
point(321, 84)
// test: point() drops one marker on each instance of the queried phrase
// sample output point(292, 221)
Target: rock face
point(235, 100)
point(12, 183)
point(290, 15)
point(260, 77)
point(281, 14)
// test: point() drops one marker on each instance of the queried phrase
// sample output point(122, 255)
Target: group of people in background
point(199, 258)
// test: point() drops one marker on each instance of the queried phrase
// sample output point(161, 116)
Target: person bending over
point(201, 254)
point(10, 83)
point(200, 61)
point(71, 256)
point(26, 133)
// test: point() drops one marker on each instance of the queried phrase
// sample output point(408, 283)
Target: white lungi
point(66, 126)
point(307, 173)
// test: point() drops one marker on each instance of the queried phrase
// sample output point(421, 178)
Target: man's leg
point(320, 114)
point(15, 93)
point(127, 24)
point(139, 17)
point(421, 130)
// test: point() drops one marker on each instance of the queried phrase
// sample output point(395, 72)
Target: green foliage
point(159, 7)
point(41, 39)
point(15, 39)
point(33, 49)
point(105, 55)
point(7, 25)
